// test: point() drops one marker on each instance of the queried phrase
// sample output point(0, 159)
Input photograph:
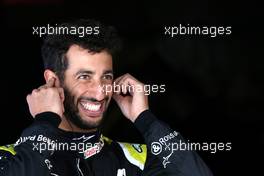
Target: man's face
point(84, 79)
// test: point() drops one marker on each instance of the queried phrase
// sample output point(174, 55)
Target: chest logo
point(121, 172)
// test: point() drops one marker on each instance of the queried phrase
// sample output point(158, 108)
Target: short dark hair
point(55, 46)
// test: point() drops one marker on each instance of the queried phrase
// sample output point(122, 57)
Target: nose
point(97, 90)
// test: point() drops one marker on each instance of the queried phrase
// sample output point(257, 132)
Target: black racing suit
point(44, 150)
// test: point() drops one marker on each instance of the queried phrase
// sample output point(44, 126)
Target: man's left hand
point(130, 97)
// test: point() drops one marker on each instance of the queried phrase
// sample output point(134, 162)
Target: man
point(65, 138)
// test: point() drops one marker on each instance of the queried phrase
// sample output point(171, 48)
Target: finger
point(116, 81)
point(129, 79)
point(126, 84)
point(61, 93)
point(122, 88)
point(129, 85)
point(35, 91)
point(118, 98)
point(121, 79)
point(57, 82)
point(51, 82)
point(42, 87)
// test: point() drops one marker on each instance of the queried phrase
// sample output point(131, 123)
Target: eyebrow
point(82, 71)
point(109, 72)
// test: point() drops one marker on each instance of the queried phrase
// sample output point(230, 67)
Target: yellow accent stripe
point(135, 153)
point(136, 157)
point(141, 157)
point(8, 148)
point(106, 139)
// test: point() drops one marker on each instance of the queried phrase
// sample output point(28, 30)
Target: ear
point(48, 74)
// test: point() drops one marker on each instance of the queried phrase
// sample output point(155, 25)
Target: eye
point(108, 77)
point(83, 76)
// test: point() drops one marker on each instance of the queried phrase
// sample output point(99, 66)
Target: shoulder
point(8, 149)
point(136, 154)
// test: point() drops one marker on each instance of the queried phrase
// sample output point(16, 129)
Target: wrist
point(144, 121)
point(49, 117)
point(133, 119)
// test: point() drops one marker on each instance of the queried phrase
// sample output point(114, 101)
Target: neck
point(66, 125)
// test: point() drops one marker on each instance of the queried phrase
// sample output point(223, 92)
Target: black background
point(214, 86)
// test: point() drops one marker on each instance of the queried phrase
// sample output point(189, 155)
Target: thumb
point(118, 98)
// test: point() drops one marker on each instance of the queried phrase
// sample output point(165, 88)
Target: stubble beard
point(72, 113)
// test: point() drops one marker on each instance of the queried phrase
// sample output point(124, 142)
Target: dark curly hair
point(55, 46)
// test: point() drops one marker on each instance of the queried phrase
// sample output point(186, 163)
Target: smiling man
point(65, 138)
point(85, 100)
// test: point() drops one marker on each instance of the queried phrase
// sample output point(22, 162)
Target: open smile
point(92, 109)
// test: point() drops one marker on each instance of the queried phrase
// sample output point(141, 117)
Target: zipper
point(78, 167)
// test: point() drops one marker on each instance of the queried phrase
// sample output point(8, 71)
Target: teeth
point(91, 107)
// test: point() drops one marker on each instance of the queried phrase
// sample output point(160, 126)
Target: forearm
point(26, 158)
point(161, 139)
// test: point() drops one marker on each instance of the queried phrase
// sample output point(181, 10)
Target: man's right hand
point(48, 97)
